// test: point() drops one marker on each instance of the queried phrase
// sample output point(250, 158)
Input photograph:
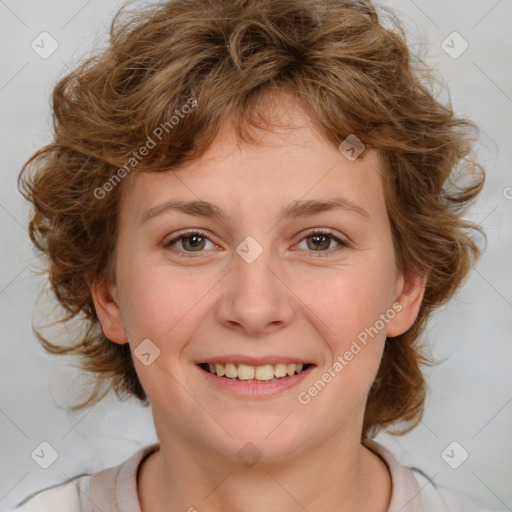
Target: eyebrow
point(296, 209)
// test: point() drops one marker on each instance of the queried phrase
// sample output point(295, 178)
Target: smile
point(245, 372)
point(256, 381)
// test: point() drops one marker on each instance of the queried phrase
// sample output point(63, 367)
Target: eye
point(190, 242)
point(319, 240)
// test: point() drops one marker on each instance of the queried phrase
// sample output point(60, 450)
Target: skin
point(292, 300)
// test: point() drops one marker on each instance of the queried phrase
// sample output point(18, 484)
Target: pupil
point(318, 238)
point(194, 240)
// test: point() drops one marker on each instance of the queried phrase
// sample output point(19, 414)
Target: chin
point(259, 440)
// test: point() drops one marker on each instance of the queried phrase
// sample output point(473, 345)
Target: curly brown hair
point(350, 73)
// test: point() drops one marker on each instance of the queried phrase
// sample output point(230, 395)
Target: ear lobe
point(410, 298)
point(108, 311)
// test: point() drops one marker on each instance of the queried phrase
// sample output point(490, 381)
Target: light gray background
point(470, 393)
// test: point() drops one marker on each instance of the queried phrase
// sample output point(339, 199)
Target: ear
point(107, 308)
point(410, 291)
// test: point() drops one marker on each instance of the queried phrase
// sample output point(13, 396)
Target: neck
point(335, 475)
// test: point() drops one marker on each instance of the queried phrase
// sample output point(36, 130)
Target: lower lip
point(258, 389)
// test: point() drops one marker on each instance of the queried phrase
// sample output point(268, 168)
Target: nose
point(255, 300)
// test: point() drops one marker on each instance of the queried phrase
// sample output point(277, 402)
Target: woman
point(252, 205)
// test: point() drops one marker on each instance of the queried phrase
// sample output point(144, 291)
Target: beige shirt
point(115, 490)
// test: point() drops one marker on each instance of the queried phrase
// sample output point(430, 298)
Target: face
point(297, 267)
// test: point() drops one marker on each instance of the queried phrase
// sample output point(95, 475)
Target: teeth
point(219, 369)
point(246, 372)
point(264, 372)
point(280, 370)
point(231, 371)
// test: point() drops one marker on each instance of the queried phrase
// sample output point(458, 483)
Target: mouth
point(262, 373)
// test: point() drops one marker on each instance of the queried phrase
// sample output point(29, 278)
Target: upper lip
point(253, 361)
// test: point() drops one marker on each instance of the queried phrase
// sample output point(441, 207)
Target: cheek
point(354, 306)
point(162, 307)
point(351, 298)
point(159, 302)
point(354, 310)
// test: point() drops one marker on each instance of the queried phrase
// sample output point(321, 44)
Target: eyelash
point(190, 254)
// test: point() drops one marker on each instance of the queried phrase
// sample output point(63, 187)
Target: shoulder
point(436, 498)
point(111, 489)
point(414, 491)
point(71, 496)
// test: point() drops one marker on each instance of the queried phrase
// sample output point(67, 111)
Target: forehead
point(289, 162)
